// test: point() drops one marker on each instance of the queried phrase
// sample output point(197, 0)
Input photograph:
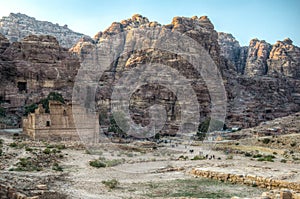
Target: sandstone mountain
point(254, 94)
point(262, 81)
point(261, 58)
point(17, 26)
point(30, 70)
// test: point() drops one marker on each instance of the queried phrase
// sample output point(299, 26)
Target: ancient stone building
point(59, 123)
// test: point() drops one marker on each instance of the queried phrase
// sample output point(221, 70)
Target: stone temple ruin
point(59, 123)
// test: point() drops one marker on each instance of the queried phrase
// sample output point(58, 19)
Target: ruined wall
point(250, 180)
point(59, 124)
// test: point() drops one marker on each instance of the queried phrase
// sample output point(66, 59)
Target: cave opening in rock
point(22, 86)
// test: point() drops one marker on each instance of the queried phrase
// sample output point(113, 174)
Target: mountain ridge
point(16, 26)
point(253, 97)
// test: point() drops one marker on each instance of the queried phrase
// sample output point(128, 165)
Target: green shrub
point(111, 183)
point(283, 160)
point(47, 151)
point(30, 109)
point(247, 154)
point(97, 164)
point(115, 162)
point(102, 162)
point(28, 149)
point(26, 164)
point(183, 157)
point(257, 156)
point(60, 146)
point(45, 102)
point(157, 136)
point(266, 140)
point(13, 144)
point(50, 146)
point(268, 158)
point(293, 144)
point(296, 158)
point(2, 112)
point(198, 157)
point(57, 167)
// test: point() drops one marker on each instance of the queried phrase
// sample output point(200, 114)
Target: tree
point(30, 109)
point(2, 112)
point(209, 125)
point(114, 127)
point(52, 96)
point(45, 102)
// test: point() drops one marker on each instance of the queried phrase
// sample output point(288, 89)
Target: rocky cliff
point(253, 95)
point(284, 59)
point(261, 58)
point(17, 26)
point(262, 81)
point(31, 69)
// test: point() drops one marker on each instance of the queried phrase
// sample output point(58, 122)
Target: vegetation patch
point(196, 188)
point(268, 158)
point(102, 162)
point(26, 164)
point(198, 157)
point(112, 184)
point(57, 167)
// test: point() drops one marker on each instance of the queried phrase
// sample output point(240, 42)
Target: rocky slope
point(253, 95)
point(17, 26)
point(30, 70)
point(262, 81)
point(261, 58)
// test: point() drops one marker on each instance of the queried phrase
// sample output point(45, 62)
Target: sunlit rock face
point(253, 95)
point(261, 80)
point(17, 26)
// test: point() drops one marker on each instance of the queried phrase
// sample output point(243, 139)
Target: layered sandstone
point(16, 26)
point(261, 58)
point(37, 65)
point(33, 68)
point(284, 59)
point(252, 98)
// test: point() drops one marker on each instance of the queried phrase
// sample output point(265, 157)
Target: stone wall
point(251, 180)
point(8, 192)
point(59, 124)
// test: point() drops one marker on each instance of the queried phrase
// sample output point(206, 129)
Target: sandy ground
point(145, 166)
point(152, 167)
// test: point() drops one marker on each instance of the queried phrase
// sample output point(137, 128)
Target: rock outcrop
point(31, 69)
point(284, 59)
point(261, 58)
point(4, 43)
point(17, 26)
point(252, 98)
point(258, 88)
point(231, 50)
point(258, 53)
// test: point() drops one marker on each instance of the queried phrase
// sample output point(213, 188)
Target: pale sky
point(269, 20)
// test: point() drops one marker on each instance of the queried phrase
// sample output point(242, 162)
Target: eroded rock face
point(232, 51)
point(32, 68)
point(260, 58)
point(258, 54)
point(17, 26)
point(284, 59)
point(4, 43)
point(252, 98)
point(37, 65)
